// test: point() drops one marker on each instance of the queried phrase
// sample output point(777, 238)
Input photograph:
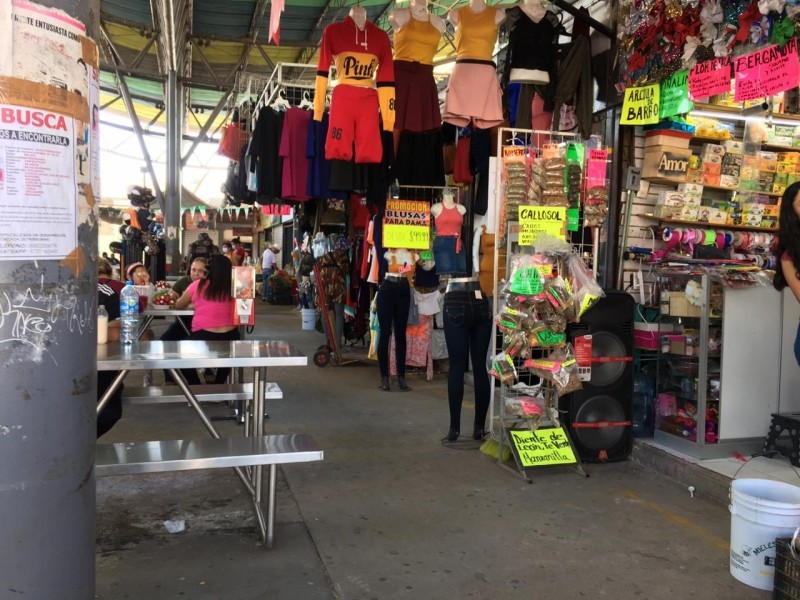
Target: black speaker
point(599, 415)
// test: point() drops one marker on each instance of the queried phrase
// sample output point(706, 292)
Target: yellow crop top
point(476, 33)
point(417, 41)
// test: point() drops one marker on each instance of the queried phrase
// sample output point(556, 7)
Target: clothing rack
point(293, 79)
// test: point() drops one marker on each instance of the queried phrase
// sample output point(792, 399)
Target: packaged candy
point(503, 369)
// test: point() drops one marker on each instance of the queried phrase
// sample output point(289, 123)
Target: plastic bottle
point(102, 325)
point(128, 314)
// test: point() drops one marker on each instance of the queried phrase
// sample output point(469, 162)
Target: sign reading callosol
point(535, 221)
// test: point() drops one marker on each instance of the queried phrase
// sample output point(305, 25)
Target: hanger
point(306, 101)
point(280, 101)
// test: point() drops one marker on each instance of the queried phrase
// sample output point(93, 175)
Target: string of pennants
point(236, 211)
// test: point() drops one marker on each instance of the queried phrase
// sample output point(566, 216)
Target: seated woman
point(138, 274)
point(213, 310)
point(173, 333)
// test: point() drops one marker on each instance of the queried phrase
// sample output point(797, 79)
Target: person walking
point(268, 262)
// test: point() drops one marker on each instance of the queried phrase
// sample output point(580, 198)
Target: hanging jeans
point(394, 299)
point(467, 330)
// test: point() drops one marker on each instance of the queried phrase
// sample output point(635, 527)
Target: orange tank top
point(476, 33)
point(417, 41)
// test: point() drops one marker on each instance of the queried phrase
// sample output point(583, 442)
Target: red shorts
point(354, 120)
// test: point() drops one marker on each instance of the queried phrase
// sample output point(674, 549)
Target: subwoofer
point(599, 415)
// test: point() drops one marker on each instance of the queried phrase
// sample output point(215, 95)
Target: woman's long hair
point(217, 285)
point(788, 234)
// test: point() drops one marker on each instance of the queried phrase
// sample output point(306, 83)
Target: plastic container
point(309, 319)
point(761, 511)
point(128, 314)
point(102, 325)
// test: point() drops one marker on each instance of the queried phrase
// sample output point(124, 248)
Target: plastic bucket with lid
point(761, 510)
point(309, 318)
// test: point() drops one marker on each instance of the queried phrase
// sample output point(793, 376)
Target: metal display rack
point(507, 235)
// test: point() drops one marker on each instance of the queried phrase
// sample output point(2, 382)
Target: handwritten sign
point(641, 105)
point(710, 78)
point(674, 96)
point(538, 220)
point(543, 447)
point(766, 72)
point(407, 224)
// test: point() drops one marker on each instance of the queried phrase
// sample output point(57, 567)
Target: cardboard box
point(694, 176)
point(778, 188)
point(667, 137)
point(733, 147)
point(753, 208)
point(679, 307)
point(669, 205)
point(709, 179)
point(692, 200)
point(712, 150)
point(729, 181)
point(789, 157)
point(735, 218)
point(786, 167)
point(712, 168)
point(718, 217)
point(664, 162)
point(712, 159)
point(691, 189)
point(748, 172)
point(751, 220)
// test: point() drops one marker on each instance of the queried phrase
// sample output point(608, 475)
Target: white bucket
point(761, 510)
point(309, 319)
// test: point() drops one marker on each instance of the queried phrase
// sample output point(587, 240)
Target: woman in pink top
point(213, 310)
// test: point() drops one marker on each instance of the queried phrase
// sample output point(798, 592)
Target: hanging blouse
point(476, 33)
point(417, 41)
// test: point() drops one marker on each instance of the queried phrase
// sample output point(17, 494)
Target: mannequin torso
point(401, 17)
point(478, 6)
point(359, 15)
point(447, 202)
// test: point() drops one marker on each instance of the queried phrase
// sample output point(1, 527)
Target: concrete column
point(172, 209)
point(48, 352)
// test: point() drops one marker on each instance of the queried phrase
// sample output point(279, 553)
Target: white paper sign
point(5, 39)
point(37, 184)
point(47, 47)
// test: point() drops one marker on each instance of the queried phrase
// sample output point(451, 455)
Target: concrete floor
point(393, 514)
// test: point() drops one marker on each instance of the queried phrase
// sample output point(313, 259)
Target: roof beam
point(255, 25)
point(314, 34)
point(205, 62)
point(143, 52)
point(209, 122)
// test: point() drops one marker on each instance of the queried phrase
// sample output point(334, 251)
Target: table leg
point(143, 325)
point(273, 478)
point(182, 324)
point(176, 374)
point(110, 391)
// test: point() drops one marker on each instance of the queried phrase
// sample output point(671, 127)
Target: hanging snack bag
point(595, 207)
point(585, 289)
point(503, 369)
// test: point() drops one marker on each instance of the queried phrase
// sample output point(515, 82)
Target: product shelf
point(704, 225)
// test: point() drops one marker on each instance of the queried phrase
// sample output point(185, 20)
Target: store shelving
point(704, 225)
point(737, 380)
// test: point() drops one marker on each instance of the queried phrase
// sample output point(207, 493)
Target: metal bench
point(135, 458)
point(205, 393)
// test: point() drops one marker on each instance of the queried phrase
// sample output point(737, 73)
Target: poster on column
point(37, 184)
point(94, 101)
point(407, 224)
point(6, 32)
point(47, 47)
point(766, 72)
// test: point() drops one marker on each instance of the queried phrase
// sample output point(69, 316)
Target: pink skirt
point(473, 94)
